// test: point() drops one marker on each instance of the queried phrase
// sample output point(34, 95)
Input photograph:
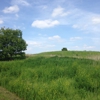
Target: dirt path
point(6, 95)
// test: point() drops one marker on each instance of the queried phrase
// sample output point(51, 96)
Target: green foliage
point(64, 49)
point(11, 43)
point(52, 78)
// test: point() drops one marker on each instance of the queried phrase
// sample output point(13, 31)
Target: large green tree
point(11, 43)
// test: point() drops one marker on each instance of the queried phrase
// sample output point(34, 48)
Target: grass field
point(71, 75)
point(76, 54)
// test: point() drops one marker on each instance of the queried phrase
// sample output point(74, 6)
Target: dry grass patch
point(6, 95)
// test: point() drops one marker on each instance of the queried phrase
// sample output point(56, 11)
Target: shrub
point(64, 49)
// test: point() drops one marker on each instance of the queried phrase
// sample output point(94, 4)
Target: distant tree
point(11, 43)
point(64, 49)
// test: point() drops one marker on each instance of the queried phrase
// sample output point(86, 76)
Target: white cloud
point(78, 19)
point(75, 26)
point(81, 26)
point(17, 15)
point(96, 20)
point(75, 38)
point(20, 2)
point(11, 9)
point(49, 46)
point(86, 21)
point(76, 47)
point(45, 46)
point(1, 21)
point(59, 12)
point(54, 37)
point(45, 23)
point(44, 7)
point(86, 47)
point(34, 43)
point(39, 45)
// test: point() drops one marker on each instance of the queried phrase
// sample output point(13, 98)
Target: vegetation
point(64, 49)
point(11, 43)
point(76, 54)
point(57, 77)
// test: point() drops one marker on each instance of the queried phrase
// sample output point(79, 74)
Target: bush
point(64, 49)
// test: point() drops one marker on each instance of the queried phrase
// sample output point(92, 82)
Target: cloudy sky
point(50, 25)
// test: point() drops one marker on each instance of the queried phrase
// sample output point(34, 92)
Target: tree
point(11, 43)
point(64, 49)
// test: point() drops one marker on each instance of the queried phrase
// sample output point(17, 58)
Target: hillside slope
point(52, 76)
point(76, 54)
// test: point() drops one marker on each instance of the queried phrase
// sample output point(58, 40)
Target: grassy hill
point(76, 54)
point(71, 75)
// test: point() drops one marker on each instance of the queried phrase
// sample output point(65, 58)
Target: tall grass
point(52, 78)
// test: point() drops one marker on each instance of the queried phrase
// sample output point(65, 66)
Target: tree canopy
point(11, 43)
point(64, 49)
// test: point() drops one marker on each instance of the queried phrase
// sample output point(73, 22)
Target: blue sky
point(50, 25)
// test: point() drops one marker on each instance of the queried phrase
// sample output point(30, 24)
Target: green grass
point(53, 76)
point(76, 54)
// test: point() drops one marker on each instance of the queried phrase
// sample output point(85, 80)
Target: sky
point(50, 25)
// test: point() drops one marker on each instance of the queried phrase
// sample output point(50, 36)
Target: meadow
point(68, 75)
